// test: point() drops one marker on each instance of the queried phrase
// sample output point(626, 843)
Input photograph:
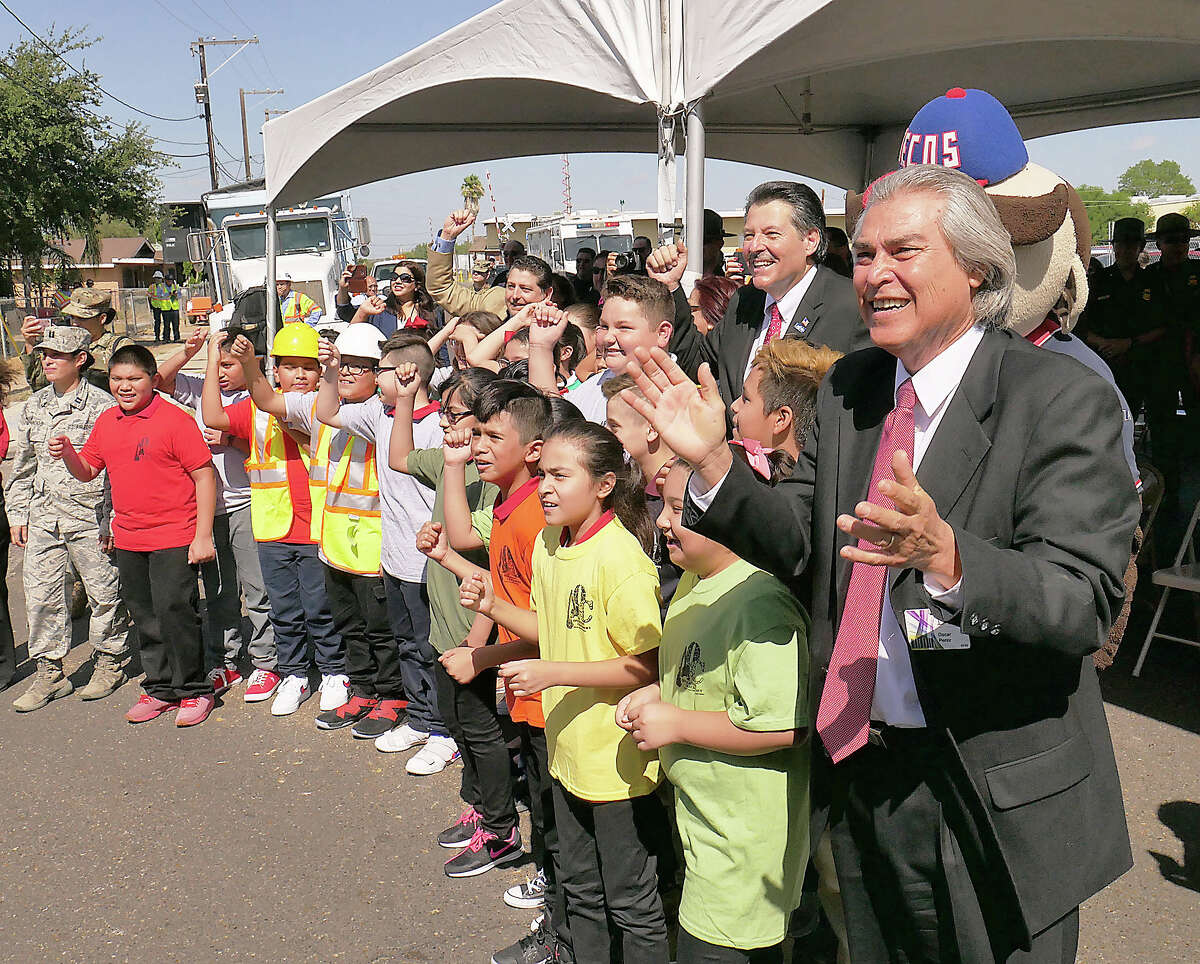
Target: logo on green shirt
point(690, 668)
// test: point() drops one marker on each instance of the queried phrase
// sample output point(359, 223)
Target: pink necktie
point(775, 326)
point(844, 715)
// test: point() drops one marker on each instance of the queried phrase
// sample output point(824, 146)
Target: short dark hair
point(469, 383)
point(572, 337)
point(807, 212)
point(536, 267)
point(652, 295)
point(525, 405)
point(564, 411)
point(586, 249)
point(512, 244)
point(562, 290)
point(584, 314)
point(411, 348)
point(837, 236)
point(136, 355)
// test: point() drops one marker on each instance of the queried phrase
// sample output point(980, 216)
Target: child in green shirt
point(728, 718)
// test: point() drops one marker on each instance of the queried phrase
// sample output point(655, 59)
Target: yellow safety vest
point(351, 525)
point(297, 307)
point(160, 295)
point(271, 509)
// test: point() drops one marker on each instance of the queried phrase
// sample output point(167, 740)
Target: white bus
point(556, 240)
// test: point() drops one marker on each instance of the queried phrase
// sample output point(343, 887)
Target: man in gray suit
point(790, 294)
point(965, 512)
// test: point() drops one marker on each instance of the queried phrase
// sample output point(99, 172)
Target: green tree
point(472, 190)
point(66, 168)
point(1104, 207)
point(1154, 179)
point(1192, 213)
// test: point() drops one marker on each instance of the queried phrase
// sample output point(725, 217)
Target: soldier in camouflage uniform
point(62, 523)
point(90, 309)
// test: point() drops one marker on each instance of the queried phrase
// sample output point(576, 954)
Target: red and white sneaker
point(262, 686)
point(222, 679)
point(194, 710)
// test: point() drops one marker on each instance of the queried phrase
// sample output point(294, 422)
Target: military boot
point(48, 684)
point(107, 676)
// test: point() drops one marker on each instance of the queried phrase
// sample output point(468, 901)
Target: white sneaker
point(335, 691)
point(437, 754)
point(293, 691)
point(529, 895)
point(403, 737)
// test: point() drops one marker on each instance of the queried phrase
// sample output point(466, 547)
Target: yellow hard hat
point(295, 340)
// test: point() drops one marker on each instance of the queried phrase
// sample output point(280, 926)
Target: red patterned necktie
point(775, 326)
point(845, 711)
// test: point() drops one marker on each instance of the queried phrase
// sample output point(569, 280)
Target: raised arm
point(173, 364)
point(442, 335)
point(489, 348)
point(548, 326)
point(457, 298)
point(265, 398)
point(456, 450)
point(328, 401)
point(211, 408)
point(400, 442)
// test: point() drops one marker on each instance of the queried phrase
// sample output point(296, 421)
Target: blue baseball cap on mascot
point(969, 130)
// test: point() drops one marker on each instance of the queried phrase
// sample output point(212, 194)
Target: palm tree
point(472, 191)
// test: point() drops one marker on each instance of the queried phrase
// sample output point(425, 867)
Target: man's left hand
point(911, 536)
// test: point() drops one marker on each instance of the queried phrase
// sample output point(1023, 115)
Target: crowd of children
point(418, 538)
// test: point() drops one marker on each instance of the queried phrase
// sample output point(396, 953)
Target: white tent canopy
point(550, 76)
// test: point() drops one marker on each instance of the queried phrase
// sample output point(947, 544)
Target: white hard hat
point(158, 274)
point(361, 340)
point(284, 277)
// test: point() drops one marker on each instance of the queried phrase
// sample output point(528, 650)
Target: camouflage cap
point(67, 339)
point(481, 266)
point(88, 303)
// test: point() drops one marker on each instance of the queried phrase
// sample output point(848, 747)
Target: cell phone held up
point(357, 285)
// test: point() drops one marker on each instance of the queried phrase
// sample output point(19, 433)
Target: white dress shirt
point(896, 702)
point(789, 304)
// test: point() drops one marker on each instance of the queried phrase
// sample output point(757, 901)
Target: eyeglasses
point(404, 279)
point(384, 369)
point(358, 369)
point(454, 417)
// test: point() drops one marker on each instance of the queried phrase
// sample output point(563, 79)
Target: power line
point(212, 17)
point(178, 19)
point(84, 76)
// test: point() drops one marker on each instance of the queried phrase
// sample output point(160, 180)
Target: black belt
point(887, 737)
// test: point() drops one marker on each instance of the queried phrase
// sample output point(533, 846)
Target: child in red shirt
point(164, 492)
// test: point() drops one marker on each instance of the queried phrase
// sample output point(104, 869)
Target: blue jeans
point(295, 580)
point(408, 610)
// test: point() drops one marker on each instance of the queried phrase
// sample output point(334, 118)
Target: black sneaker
point(484, 852)
point(346, 714)
point(536, 948)
point(459, 834)
point(383, 718)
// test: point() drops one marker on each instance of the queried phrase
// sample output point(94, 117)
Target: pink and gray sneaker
point(484, 852)
point(195, 709)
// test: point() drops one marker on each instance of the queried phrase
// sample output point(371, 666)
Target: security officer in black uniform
point(1125, 324)
point(1176, 281)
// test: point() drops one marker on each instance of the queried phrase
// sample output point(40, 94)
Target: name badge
point(926, 631)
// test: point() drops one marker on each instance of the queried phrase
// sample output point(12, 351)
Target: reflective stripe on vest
point(318, 473)
point(271, 509)
point(351, 526)
point(292, 310)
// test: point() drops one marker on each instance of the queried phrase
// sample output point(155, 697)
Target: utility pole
point(202, 96)
point(245, 134)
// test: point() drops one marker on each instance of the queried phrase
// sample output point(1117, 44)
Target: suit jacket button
point(984, 625)
point(974, 619)
point(995, 630)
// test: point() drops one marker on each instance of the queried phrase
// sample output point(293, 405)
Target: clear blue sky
point(309, 48)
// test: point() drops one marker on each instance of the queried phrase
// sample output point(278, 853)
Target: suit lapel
point(808, 312)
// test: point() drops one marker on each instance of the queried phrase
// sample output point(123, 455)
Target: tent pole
point(272, 297)
point(666, 177)
point(694, 222)
point(869, 136)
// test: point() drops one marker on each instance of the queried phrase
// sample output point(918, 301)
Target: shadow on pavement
point(1182, 818)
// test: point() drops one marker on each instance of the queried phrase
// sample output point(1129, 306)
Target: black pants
point(906, 891)
point(170, 324)
point(543, 837)
point(692, 950)
point(158, 317)
point(8, 652)
point(295, 581)
point(360, 618)
point(162, 594)
point(607, 869)
point(470, 715)
point(408, 607)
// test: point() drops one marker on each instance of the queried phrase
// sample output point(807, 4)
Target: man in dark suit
point(961, 759)
point(791, 295)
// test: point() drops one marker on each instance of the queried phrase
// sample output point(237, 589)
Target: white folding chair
point(1183, 576)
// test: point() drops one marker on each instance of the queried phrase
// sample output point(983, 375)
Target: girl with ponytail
point(595, 618)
